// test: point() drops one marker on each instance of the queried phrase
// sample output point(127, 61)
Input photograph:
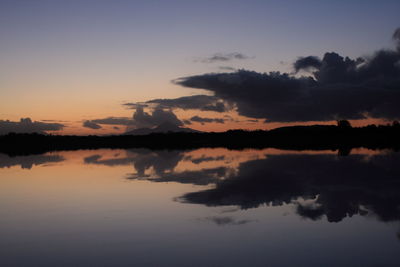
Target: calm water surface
point(205, 207)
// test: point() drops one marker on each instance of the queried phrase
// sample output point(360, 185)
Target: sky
point(68, 65)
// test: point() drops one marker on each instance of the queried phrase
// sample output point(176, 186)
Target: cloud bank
point(91, 125)
point(337, 88)
point(200, 102)
point(206, 120)
point(223, 57)
point(158, 116)
point(113, 121)
point(162, 111)
point(97, 123)
point(25, 125)
point(140, 119)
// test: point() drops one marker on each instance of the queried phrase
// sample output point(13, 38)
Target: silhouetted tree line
point(316, 137)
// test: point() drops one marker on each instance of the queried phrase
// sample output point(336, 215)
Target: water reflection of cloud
point(319, 184)
point(27, 162)
point(199, 167)
point(334, 187)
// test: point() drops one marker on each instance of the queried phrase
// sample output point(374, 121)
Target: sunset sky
point(85, 67)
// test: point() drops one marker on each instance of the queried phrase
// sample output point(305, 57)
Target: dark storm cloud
point(206, 120)
point(247, 90)
point(25, 125)
point(91, 125)
point(223, 57)
point(307, 62)
point(396, 38)
point(201, 102)
point(341, 88)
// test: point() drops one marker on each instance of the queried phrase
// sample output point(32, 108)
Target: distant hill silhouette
point(162, 128)
point(316, 137)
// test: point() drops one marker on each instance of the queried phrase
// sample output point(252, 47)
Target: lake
point(204, 207)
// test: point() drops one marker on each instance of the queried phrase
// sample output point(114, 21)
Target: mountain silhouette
point(165, 127)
